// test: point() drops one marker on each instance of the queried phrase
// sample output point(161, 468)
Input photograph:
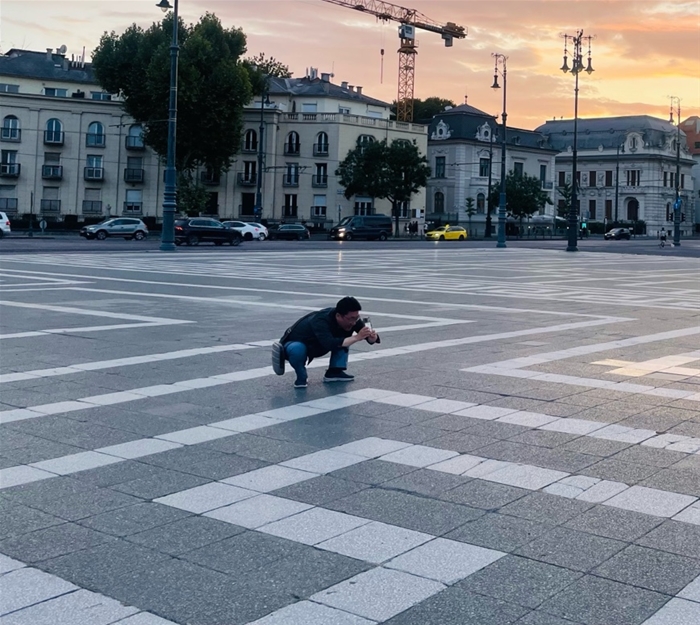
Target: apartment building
point(68, 149)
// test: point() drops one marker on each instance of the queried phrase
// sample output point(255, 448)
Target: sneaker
point(278, 358)
point(337, 375)
point(301, 384)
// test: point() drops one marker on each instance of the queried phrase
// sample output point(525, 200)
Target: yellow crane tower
point(409, 20)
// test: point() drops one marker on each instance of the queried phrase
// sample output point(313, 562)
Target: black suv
point(196, 230)
point(290, 232)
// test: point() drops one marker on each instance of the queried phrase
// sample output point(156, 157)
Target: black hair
point(346, 305)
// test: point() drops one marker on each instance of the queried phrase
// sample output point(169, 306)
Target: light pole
point(677, 203)
point(576, 68)
point(617, 178)
point(261, 154)
point(487, 234)
point(167, 237)
point(501, 58)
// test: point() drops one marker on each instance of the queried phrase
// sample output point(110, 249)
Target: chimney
point(66, 64)
point(351, 88)
point(325, 77)
point(344, 84)
point(358, 89)
point(49, 54)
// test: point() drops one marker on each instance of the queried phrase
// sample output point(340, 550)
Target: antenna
point(63, 49)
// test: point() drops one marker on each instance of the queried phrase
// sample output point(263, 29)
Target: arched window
point(95, 135)
point(364, 140)
point(292, 144)
point(54, 132)
point(250, 141)
point(480, 204)
point(439, 202)
point(10, 129)
point(134, 140)
point(321, 145)
point(633, 210)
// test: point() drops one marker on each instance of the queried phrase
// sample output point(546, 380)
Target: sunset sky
point(644, 50)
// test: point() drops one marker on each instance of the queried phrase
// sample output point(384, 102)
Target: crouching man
point(331, 330)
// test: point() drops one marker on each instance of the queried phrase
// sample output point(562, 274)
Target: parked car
point(5, 229)
point(127, 227)
point(447, 233)
point(617, 234)
point(290, 232)
point(368, 227)
point(249, 231)
point(264, 234)
point(196, 230)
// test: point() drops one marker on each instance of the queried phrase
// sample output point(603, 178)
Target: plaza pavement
point(523, 447)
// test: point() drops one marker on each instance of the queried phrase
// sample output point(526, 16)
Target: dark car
point(368, 227)
point(617, 234)
point(290, 232)
point(196, 230)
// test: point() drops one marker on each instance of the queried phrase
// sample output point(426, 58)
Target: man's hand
point(364, 333)
point(372, 338)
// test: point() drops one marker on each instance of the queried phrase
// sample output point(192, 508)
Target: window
point(320, 178)
point(633, 210)
point(7, 88)
point(319, 207)
point(52, 166)
point(134, 140)
point(250, 143)
point(439, 202)
point(591, 178)
point(308, 107)
point(55, 92)
point(562, 179)
point(9, 157)
point(484, 167)
point(633, 177)
point(100, 95)
point(439, 167)
point(49, 200)
point(404, 209)
point(609, 178)
point(343, 110)
point(95, 135)
point(290, 205)
point(54, 132)
point(543, 174)
point(291, 176)
point(608, 209)
point(591, 209)
point(518, 169)
point(321, 145)
point(682, 181)
point(134, 169)
point(93, 201)
point(363, 206)
point(93, 169)
point(665, 179)
point(480, 204)
point(10, 129)
point(134, 201)
point(292, 145)
point(364, 140)
point(633, 143)
point(9, 166)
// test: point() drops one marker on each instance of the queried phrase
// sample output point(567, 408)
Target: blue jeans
point(296, 355)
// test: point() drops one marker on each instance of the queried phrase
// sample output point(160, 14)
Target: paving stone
point(651, 569)
point(309, 613)
point(676, 612)
point(373, 472)
point(651, 501)
point(133, 519)
point(520, 581)
point(614, 523)
point(324, 461)
point(596, 601)
point(574, 550)
point(425, 482)
point(416, 434)
point(206, 497)
point(28, 586)
point(84, 504)
point(163, 482)
point(8, 564)
point(203, 462)
point(545, 507)
point(691, 591)
point(462, 442)
point(119, 473)
point(269, 478)
point(537, 617)
point(320, 490)
point(501, 532)
point(678, 481)
point(314, 526)
point(616, 470)
point(680, 538)
point(249, 445)
point(18, 519)
point(418, 456)
point(254, 512)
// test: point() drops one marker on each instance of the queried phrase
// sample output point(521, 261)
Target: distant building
point(626, 169)
point(464, 149)
point(67, 149)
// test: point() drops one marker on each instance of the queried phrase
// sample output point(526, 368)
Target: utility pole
point(677, 204)
point(261, 154)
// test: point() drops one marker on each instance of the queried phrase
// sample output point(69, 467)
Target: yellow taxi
point(447, 233)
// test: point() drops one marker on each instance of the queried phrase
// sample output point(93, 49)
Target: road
point(523, 447)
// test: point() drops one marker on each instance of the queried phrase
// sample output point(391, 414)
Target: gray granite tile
point(18, 519)
point(685, 482)
point(674, 537)
point(134, 519)
point(320, 491)
point(483, 494)
point(545, 507)
point(614, 523)
point(501, 532)
point(425, 482)
point(641, 454)
point(260, 448)
point(197, 460)
point(161, 483)
point(372, 472)
point(463, 442)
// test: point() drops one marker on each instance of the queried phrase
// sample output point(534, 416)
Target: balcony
point(290, 181)
point(93, 140)
point(94, 173)
point(11, 135)
point(209, 178)
point(133, 175)
point(9, 170)
point(245, 211)
point(134, 143)
point(318, 214)
point(92, 207)
point(250, 148)
point(133, 208)
point(291, 149)
point(547, 184)
point(320, 149)
point(50, 206)
point(9, 205)
point(247, 180)
point(52, 172)
point(319, 181)
point(53, 137)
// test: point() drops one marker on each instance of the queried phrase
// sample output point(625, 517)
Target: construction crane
point(409, 20)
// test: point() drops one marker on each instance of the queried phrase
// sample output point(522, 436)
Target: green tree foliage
point(425, 110)
point(192, 196)
point(269, 66)
point(566, 193)
point(393, 172)
point(524, 195)
point(213, 87)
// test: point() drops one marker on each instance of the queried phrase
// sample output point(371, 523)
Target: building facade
point(626, 169)
point(68, 151)
point(464, 150)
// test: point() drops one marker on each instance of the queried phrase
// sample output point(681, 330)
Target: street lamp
point(487, 234)
point(501, 58)
point(576, 68)
point(620, 146)
point(167, 237)
point(264, 99)
point(677, 203)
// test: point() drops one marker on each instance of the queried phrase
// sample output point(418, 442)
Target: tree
point(428, 108)
point(524, 196)
point(392, 172)
point(269, 66)
point(213, 87)
point(566, 193)
point(470, 211)
point(192, 197)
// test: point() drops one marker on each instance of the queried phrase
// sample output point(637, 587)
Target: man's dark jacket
point(320, 332)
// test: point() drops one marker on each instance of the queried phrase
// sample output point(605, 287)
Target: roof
point(45, 66)
point(317, 87)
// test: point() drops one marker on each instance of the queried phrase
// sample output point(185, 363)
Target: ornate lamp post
point(167, 237)
point(577, 42)
point(487, 233)
point(677, 203)
point(501, 59)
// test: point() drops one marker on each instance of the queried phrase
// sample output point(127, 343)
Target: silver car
point(127, 227)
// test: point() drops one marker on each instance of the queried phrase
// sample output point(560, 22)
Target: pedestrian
point(331, 330)
point(662, 234)
point(425, 229)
